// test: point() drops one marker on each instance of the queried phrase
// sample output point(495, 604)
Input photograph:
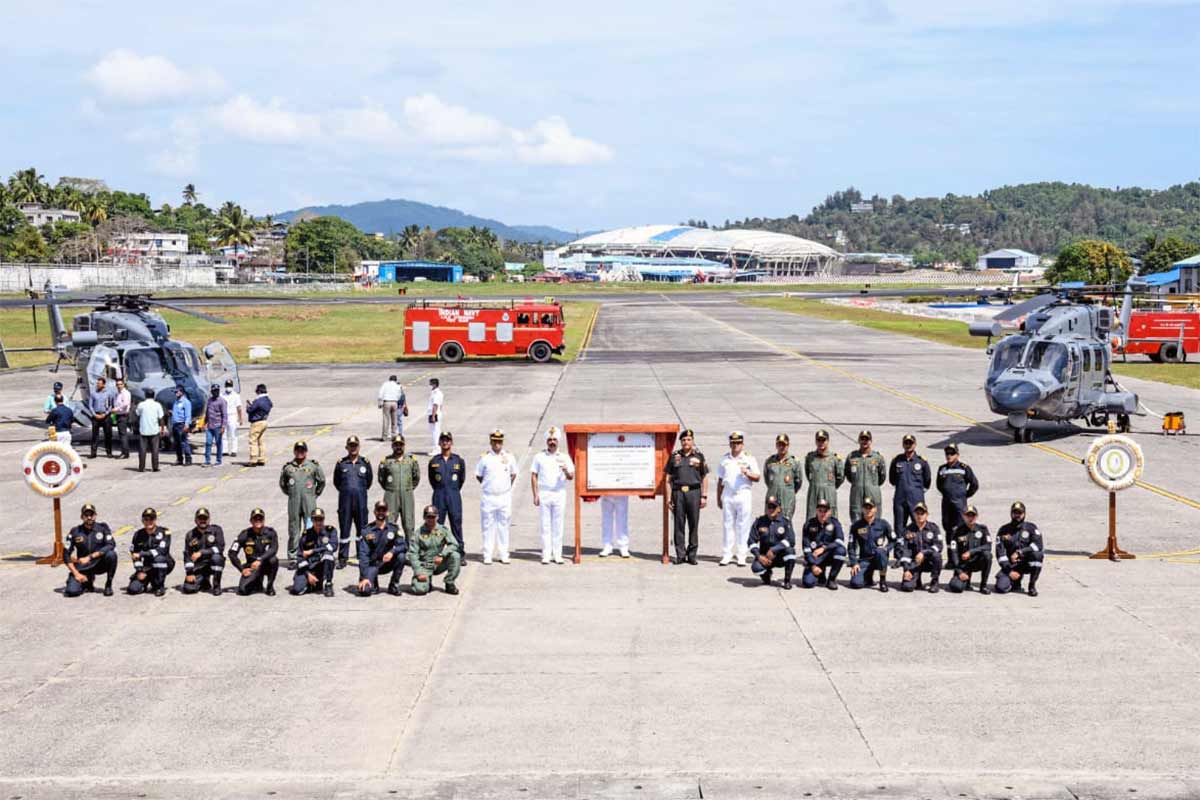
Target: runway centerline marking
point(918, 401)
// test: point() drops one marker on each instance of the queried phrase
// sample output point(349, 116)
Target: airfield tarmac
point(623, 678)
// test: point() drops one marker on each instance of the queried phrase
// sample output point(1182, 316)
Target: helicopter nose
point(1016, 395)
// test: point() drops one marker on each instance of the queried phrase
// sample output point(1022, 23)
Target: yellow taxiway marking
point(243, 469)
point(205, 489)
point(230, 476)
point(587, 336)
point(919, 401)
point(178, 501)
point(124, 529)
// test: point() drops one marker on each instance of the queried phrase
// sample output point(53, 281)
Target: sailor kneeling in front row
point(203, 556)
point(920, 551)
point(316, 557)
point(1019, 549)
point(872, 541)
point(773, 544)
point(971, 551)
point(824, 548)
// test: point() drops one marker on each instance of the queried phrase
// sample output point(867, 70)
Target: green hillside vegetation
point(320, 245)
point(1041, 218)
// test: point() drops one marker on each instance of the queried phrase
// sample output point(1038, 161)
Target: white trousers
point(736, 513)
point(231, 438)
point(495, 511)
point(435, 430)
point(614, 521)
point(550, 507)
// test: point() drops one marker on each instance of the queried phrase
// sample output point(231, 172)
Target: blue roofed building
point(1182, 278)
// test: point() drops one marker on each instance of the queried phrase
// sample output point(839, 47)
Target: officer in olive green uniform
point(302, 481)
point(824, 472)
point(433, 551)
point(399, 474)
point(783, 475)
point(866, 471)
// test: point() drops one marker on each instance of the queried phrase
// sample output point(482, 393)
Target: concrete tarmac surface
point(621, 678)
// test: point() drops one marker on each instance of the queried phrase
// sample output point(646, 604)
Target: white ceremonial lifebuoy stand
point(53, 469)
point(1114, 463)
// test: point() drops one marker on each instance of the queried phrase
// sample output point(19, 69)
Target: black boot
point(270, 590)
point(787, 577)
point(765, 576)
point(216, 585)
point(883, 587)
point(329, 590)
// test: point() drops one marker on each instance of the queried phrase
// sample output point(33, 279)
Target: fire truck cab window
point(547, 319)
point(522, 319)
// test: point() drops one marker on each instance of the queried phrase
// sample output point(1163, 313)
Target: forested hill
point(392, 216)
point(1038, 217)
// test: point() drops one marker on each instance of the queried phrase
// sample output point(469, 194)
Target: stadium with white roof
point(772, 255)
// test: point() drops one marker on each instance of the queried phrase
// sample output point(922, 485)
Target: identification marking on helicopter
point(52, 469)
point(1115, 462)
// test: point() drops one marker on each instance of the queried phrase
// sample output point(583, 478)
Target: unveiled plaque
point(621, 461)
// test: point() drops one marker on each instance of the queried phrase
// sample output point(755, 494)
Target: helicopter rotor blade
point(190, 312)
point(1025, 307)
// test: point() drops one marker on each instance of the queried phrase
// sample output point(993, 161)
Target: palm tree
point(189, 194)
point(97, 212)
point(234, 227)
point(410, 239)
point(266, 222)
point(75, 201)
point(27, 186)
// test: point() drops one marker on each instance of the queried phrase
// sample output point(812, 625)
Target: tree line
point(316, 245)
point(1042, 218)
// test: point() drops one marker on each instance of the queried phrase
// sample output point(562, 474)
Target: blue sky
point(600, 114)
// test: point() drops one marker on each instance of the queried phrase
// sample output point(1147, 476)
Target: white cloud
point(246, 118)
point(551, 142)
point(371, 123)
point(434, 120)
point(126, 77)
point(424, 122)
point(175, 162)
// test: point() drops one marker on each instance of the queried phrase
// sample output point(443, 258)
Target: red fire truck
point(454, 329)
point(1164, 336)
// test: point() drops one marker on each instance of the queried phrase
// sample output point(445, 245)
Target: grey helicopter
point(124, 337)
point(1056, 365)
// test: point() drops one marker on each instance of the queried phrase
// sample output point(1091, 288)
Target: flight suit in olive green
point(399, 475)
point(783, 478)
point(426, 546)
point(865, 474)
point(303, 484)
point(825, 475)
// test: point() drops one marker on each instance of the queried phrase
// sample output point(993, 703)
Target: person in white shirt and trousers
point(548, 479)
point(394, 407)
point(496, 472)
point(434, 414)
point(614, 525)
point(736, 475)
point(235, 417)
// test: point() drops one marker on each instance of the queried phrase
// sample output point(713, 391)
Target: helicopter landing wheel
point(1123, 423)
point(1027, 434)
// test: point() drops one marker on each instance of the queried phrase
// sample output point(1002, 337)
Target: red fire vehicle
point(454, 329)
point(1164, 336)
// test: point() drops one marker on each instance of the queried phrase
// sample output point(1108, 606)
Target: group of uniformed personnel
point(916, 545)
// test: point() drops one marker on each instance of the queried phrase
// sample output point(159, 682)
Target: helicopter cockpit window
point(1087, 359)
point(1007, 353)
point(140, 363)
point(193, 358)
point(1049, 356)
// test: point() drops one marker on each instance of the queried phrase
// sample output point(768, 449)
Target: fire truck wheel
point(540, 352)
point(1170, 353)
point(451, 352)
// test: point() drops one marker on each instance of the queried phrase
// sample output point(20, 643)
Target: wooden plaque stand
point(56, 555)
point(664, 443)
point(1112, 550)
